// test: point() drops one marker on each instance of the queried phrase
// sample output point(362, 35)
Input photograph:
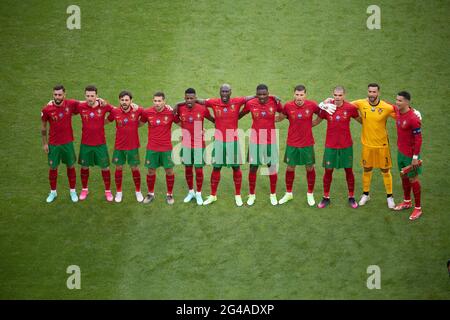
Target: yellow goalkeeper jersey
point(374, 132)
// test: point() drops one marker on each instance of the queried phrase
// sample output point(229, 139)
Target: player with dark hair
point(191, 116)
point(93, 150)
point(409, 142)
point(226, 151)
point(59, 147)
point(300, 141)
point(159, 118)
point(126, 148)
point(263, 149)
point(338, 145)
point(374, 113)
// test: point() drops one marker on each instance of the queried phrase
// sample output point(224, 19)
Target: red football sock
point(215, 178)
point(106, 175)
point(52, 177)
point(137, 179)
point(416, 188)
point(327, 178)
point(406, 188)
point(189, 174)
point(311, 179)
point(273, 182)
point(84, 174)
point(252, 181)
point(289, 179)
point(199, 178)
point(151, 183)
point(237, 179)
point(170, 181)
point(71, 174)
point(118, 179)
point(350, 182)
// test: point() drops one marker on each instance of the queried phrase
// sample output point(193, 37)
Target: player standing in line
point(300, 142)
point(126, 148)
point(159, 118)
point(338, 145)
point(59, 147)
point(226, 150)
point(409, 142)
point(374, 113)
point(93, 150)
point(191, 116)
point(263, 149)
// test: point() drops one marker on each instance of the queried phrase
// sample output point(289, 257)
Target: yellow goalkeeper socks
point(367, 177)
point(387, 179)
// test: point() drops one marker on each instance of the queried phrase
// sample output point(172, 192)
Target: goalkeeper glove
point(328, 107)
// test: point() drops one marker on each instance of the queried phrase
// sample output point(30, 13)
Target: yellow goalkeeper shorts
point(376, 157)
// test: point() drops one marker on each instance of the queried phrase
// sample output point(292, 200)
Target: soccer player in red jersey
point(191, 116)
point(409, 142)
point(126, 147)
point(226, 151)
point(93, 150)
point(59, 147)
point(263, 149)
point(300, 141)
point(159, 118)
point(338, 145)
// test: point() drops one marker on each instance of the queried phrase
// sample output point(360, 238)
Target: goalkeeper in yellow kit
point(375, 143)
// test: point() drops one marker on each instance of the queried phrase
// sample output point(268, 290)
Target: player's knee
point(384, 170)
point(151, 171)
point(369, 169)
point(105, 169)
point(236, 168)
point(253, 168)
point(413, 179)
point(310, 168)
point(217, 169)
point(291, 168)
point(169, 171)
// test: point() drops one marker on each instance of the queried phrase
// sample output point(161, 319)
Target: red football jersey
point(159, 128)
point(93, 123)
point(192, 124)
point(127, 125)
point(60, 119)
point(300, 123)
point(338, 127)
point(263, 115)
point(226, 117)
point(409, 132)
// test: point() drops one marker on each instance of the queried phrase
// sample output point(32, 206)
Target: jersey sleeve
point(279, 106)
point(322, 114)
point(357, 104)
point(354, 112)
point(111, 115)
point(73, 105)
point(416, 126)
point(44, 115)
point(316, 108)
point(240, 101)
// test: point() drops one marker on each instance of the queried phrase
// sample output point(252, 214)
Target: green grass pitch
point(133, 251)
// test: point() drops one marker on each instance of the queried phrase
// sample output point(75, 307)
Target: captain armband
point(417, 131)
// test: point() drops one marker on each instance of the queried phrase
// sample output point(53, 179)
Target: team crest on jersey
point(158, 121)
point(263, 113)
point(191, 119)
point(125, 120)
point(61, 114)
point(338, 118)
point(225, 109)
point(380, 111)
point(91, 114)
point(299, 116)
